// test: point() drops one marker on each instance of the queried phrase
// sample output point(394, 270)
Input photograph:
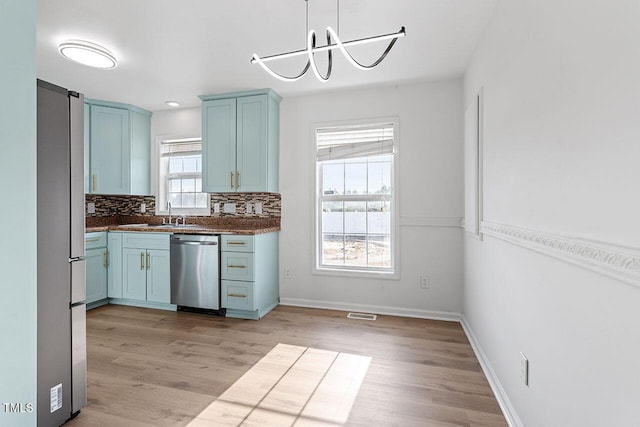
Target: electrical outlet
point(258, 206)
point(424, 281)
point(287, 273)
point(229, 208)
point(91, 208)
point(524, 369)
point(248, 208)
point(216, 208)
point(143, 207)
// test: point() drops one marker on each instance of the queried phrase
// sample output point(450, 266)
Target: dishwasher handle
point(182, 242)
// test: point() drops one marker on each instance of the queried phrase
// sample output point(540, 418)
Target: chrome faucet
point(169, 207)
point(184, 220)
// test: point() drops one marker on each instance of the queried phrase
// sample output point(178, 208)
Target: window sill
point(362, 274)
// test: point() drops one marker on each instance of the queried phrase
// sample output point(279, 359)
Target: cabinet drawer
point(146, 240)
point(237, 295)
point(236, 266)
point(95, 240)
point(236, 243)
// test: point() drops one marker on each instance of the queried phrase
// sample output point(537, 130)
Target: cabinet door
point(134, 274)
point(251, 161)
point(114, 265)
point(109, 150)
point(219, 145)
point(140, 158)
point(96, 274)
point(87, 148)
point(158, 276)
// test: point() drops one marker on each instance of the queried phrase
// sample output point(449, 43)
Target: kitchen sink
point(134, 225)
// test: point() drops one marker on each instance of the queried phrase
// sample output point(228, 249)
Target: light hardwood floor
point(156, 368)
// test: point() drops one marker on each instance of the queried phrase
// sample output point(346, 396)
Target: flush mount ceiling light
point(87, 53)
point(172, 103)
point(333, 42)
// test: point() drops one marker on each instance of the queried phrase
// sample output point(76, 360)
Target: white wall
point(561, 151)
point(18, 287)
point(431, 180)
point(185, 122)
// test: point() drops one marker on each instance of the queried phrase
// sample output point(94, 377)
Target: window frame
point(159, 186)
point(316, 182)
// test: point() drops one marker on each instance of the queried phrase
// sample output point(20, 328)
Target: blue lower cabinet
point(249, 273)
point(134, 278)
point(145, 271)
point(96, 278)
point(114, 265)
point(96, 269)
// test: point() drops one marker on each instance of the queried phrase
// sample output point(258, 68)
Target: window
point(355, 198)
point(180, 177)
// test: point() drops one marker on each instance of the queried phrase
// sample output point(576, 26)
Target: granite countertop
point(201, 225)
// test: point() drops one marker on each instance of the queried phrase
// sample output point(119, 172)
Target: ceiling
point(177, 50)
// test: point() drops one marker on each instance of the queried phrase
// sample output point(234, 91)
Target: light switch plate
point(216, 208)
point(248, 208)
point(258, 207)
point(91, 208)
point(143, 207)
point(229, 208)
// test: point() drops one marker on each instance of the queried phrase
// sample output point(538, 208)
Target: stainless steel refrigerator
point(62, 366)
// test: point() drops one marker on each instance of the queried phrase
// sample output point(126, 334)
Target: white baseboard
point(501, 396)
point(375, 309)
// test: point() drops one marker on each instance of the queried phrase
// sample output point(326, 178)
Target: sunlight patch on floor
point(291, 385)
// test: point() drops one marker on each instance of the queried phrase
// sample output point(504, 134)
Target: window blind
point(181, 148)
point(356, 141)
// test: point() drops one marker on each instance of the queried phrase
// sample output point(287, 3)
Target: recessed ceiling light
point(172, 103)
point(87, 53)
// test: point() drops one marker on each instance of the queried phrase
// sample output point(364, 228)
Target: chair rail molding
point(619, 262)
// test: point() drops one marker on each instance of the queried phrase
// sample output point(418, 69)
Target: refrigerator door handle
point(77, 258)
point(76, 152)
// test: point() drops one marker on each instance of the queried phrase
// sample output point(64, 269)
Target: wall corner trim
point(375, 309)
point(618, 262)
point(507, 408)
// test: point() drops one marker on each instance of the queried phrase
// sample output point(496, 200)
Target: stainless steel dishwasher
point(195, 271)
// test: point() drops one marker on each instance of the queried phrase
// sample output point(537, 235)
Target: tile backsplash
point(124, 205)
point(271, 205)
point(111, 205)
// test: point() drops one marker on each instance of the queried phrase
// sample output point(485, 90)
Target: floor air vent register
point(362, 316)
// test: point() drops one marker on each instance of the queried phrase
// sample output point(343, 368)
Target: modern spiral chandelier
point(333, 42)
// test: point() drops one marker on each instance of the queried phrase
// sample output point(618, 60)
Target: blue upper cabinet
point(219, 145)
point(119, 148)
point(140, 160)
point(240, 139)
